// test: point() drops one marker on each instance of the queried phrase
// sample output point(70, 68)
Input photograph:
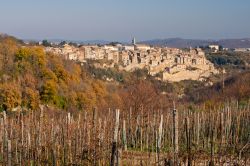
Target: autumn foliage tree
point(140, 95)
point(31, 98)
point(29, 76)
point(10, 96)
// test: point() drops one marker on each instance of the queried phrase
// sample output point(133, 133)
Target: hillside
point(235, 87)
point(29, 77)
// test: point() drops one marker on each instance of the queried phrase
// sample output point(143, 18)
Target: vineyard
point(127, 137)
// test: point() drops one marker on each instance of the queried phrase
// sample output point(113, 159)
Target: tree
point(30, 98)
point(45, 43)
point(86, 100)
point(140, 94)
point(114, 43)
point(10, 96)
point(48, 92)
point(73, 44)
point(22, 54)
point(8, 47)
point(61, 73)
point(62, 43)
point(34, 77)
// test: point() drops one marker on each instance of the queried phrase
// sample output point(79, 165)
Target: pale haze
point(120, 20)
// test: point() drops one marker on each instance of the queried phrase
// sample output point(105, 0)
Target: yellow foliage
point(10, 96)
point(61, 73)
point(29, 81)
point(30, 98)
point(48, 74)
point(99, 89)
point(76, 75)
point(46, 78)
point(39, 56)
point(49, 91)
point(22, 53)
point(86, 100)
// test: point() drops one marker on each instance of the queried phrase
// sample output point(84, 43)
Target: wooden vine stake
point(175, 135)
point(124, 135)
point(159, 139)
point(9, 153)
point(114, 152)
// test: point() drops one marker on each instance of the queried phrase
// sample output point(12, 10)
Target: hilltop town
point(171, 64)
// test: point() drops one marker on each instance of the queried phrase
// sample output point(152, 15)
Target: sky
point(121, 20)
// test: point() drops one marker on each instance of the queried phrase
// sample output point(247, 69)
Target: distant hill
point(4, 36)
point(102, 42)
point(185, 43)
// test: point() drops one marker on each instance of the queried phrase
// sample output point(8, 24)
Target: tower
point(133, 41)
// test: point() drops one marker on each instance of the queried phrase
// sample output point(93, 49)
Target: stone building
point(174, 64)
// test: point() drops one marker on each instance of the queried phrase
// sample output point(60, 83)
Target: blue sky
point(120, 20)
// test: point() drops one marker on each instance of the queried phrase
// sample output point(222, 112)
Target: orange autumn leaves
point(31, 77)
